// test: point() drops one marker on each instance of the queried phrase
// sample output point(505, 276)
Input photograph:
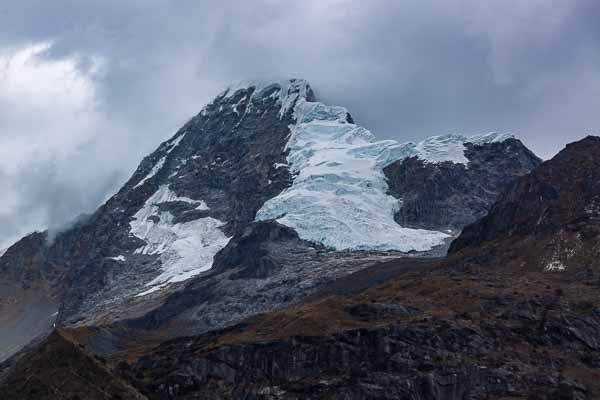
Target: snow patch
point(165, 195)
point(185, 249)
point(202, 206)
point(442, 148)
point(236, 105)
point(117, 258)
point(554, 266)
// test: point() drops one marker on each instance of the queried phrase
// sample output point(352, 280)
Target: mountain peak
point(258, 86)
point(286, 92)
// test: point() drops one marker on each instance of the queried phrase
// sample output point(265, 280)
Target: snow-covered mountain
point(338, 194)
point(173, 243)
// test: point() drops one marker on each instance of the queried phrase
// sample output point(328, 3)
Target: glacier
point(339, 194)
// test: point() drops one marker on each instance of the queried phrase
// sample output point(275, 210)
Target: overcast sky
point(88, 87)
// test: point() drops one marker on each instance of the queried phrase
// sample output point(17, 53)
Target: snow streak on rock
point(157, 167)
point(161, 163)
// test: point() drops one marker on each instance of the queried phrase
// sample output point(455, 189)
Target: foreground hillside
point(511, 313)
point(444, 332)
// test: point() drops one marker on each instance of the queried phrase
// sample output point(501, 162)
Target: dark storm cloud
point(405, 69)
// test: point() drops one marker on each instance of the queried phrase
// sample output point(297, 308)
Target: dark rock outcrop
point(24, 263)
point(447, 195)
point(249, 253)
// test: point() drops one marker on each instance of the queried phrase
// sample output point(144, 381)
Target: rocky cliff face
point(24, 263)
point(442, 359)
point(266, 267)
point(29, 294)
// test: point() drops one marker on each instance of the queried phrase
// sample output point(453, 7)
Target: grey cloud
point(405, 69)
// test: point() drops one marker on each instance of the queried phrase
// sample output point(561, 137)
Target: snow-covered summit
point(261, 85)
point(287, 92)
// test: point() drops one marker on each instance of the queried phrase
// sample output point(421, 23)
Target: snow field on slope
point(185, 249)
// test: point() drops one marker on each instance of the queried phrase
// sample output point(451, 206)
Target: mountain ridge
point(557, 204)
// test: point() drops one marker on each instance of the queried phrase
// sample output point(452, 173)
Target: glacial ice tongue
point(339, 193)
